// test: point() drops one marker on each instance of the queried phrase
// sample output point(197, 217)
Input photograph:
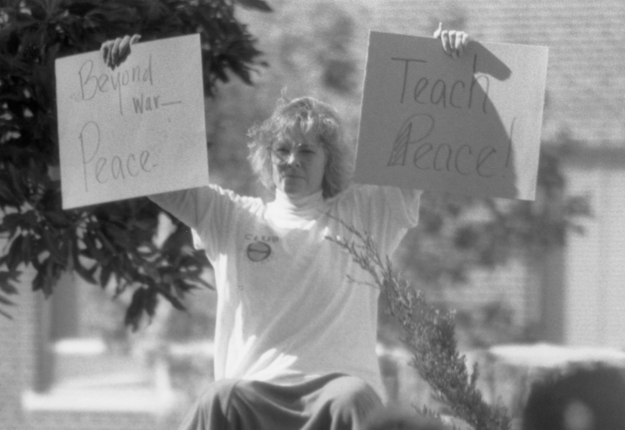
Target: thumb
point(438, 31)
point(135, 38)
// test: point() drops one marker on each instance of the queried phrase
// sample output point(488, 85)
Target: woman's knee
point(352, 397)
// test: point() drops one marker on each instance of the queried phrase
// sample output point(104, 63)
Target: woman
point(296, 318)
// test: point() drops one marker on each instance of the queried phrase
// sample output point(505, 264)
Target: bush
point(111, 241)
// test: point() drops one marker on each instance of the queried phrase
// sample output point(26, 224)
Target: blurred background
point(537, 287)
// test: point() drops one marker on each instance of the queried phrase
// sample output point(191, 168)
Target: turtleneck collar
point(298, 205)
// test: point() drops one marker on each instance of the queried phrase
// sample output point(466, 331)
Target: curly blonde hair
point(305, 116)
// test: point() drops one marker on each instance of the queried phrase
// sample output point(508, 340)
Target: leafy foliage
point(106, 242)
point(456, 234)
point(429, 335)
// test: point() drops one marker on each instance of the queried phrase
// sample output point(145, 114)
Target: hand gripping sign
point(468, 125)
point(133, 131)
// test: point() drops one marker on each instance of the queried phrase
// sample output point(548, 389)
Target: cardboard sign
point(133, 131)
point(468, 125)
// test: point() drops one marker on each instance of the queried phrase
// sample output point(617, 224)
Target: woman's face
point(298, 165)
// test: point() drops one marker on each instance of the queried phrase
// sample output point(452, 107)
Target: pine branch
point(429, 333)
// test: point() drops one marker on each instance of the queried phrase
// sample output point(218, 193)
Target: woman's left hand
point(454, 42)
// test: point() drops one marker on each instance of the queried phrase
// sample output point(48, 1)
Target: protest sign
point(135, 130)
point(468, 125)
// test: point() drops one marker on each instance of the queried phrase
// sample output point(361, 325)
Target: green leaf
point(105, 274)
point(81, 8)
point(85, 272)
point(171, 298)
point(15, 255)
point(16, 183)
point(44, 279)
point(10, 223)
point(53, 246)
point(144, 300)
point(7, 280)
point(135, 309)
point(255, 4)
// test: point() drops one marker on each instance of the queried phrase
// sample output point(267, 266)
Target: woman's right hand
point(115, 52)
point(454, 42)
